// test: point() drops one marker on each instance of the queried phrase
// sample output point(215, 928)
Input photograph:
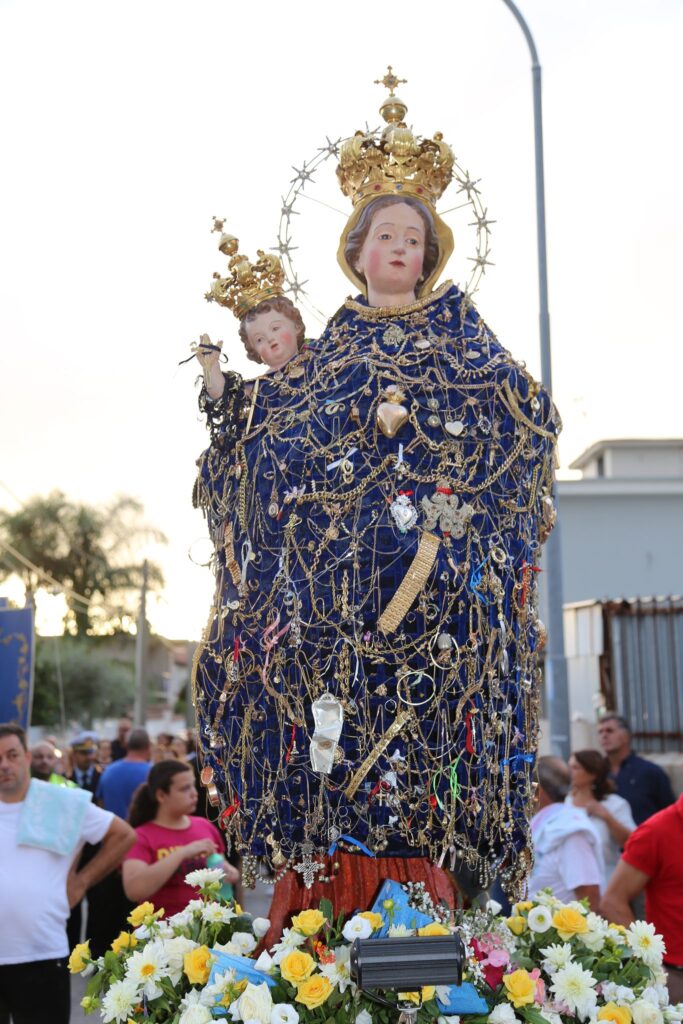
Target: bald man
point(43, 764)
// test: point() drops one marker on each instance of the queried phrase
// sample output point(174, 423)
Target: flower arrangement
point(549, 963)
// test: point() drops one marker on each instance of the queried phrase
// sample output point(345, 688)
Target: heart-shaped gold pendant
point(390, 418)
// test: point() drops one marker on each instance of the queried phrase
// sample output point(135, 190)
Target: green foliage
point(95, 686)
point(90, 549)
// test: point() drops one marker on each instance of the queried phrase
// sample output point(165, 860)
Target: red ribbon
point(291, 744)
point(444, 490)
point(526, 569)
point(231, 809)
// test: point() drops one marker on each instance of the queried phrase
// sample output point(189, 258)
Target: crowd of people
point(607, 829)
point(86, 834)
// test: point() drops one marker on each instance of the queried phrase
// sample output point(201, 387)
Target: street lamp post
point(557, 691)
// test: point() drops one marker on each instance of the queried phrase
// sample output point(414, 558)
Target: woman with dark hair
point(592, 789)
point(170, 841)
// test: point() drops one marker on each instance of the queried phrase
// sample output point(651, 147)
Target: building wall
point(620, 541)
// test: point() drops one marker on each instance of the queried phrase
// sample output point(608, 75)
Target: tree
point(90, 549)
point(94, 685)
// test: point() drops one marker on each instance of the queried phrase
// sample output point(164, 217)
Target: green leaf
point(327, 910)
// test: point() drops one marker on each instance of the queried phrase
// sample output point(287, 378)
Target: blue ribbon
point(517, 760)
point(354, 842)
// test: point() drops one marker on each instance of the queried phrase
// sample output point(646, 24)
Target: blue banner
point(17, 652)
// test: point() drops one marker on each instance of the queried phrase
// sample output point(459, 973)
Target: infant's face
point(273, 338)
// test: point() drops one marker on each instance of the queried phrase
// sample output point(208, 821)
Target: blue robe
point(385, 515)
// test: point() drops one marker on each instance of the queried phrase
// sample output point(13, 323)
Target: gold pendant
point(390, 418)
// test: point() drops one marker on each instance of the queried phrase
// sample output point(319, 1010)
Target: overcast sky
point(126, 126)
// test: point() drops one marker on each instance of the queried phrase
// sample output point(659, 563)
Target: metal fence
point(642, 668)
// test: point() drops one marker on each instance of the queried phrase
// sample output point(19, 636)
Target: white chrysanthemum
point(546, 899)
point(556, 957)
point(674, 1014)
point(656, 993)
point(357, 928)
point(613, 993)
point(284, 1013)
point(364, 1017)
point(338, 972)
point(550, 1016)
point(575, 987)
point(175, 950)
point(645, 1012)
point(502, 1014)
point(645, 943)
point(288, 941)
point(180, 920)
point(539, 919)
point(118, 1003)
point(214, 992)
point(400, 931)
point(217, 913)
point(579, 907)
point(198, 1014)
point(204, 876)
point(598, 929)
point(146, 968)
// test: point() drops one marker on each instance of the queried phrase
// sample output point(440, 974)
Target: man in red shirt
point(652, 860)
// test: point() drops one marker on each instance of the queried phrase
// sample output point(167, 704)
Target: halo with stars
point(306, 174)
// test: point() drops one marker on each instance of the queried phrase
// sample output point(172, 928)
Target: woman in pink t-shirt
point(170, 841)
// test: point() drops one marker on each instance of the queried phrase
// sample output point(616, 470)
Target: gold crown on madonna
point(246, 284)
point(398, 163)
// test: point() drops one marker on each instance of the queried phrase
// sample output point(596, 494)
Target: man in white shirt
point(567, 853)
point(38, 885)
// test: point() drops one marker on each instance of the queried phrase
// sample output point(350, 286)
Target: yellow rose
point(520, 988)
point(428, 992)
point(516, 924)
point(238, 909)
point(297, 967)
point(376, 920)
point(126, 940)
point(619, 1014)
point(433, 929)
point(308, 922)
point(314, 991)
point(569, 922)
point(524, 905)
point(197, 965)
point(137, 916)
point(79, 954)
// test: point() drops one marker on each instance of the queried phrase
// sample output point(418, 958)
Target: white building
point(622, 522)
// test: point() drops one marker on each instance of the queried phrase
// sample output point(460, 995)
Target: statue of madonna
point(368, 686)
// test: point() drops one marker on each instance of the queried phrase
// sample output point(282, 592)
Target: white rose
point(196, 1015)
point(644, 1012)
point(256, 1003)
point(244, 942)
point(260, 926)
point(502, 1014)
point(284, 1013)
point(357, 928)
point(264, 962)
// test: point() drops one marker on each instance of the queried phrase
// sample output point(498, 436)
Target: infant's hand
point(207, 353)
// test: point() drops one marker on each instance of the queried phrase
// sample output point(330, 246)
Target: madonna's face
point(392, 254)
